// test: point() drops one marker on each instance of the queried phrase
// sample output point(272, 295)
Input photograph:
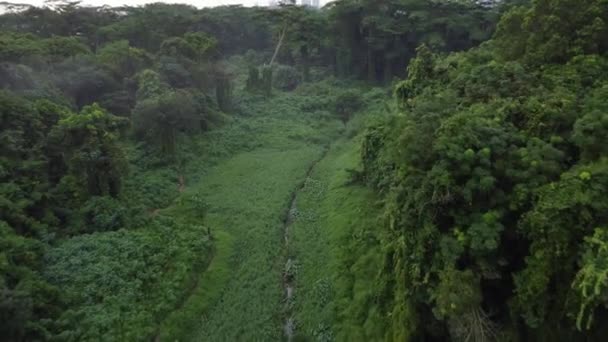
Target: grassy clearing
point(338, 253)
point(247, 197)
point(239, 180)
point(165, 276)
point(338, 247)
point(242, 175)
point(249, 170)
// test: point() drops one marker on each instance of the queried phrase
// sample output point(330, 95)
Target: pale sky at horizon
point(197, 3)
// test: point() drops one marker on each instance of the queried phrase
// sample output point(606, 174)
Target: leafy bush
point(492, 175)
point(103, 214)
point(158, 119)
point(286, 77)
point(346, 104)
point(120, 284)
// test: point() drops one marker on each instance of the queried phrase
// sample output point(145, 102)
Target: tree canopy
point(492, 177)
point(489, 162)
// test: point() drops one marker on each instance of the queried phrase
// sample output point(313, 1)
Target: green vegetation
point(336, 253)
point(492, 176)
point(375, 170)
point(248, 195)
point(183, 323)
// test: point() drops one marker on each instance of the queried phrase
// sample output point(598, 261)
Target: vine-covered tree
point(493, 174)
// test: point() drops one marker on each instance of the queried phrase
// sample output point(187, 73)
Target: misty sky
point(197, 3)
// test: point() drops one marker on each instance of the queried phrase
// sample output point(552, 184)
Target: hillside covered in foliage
point(494, 175)
point(399, 170)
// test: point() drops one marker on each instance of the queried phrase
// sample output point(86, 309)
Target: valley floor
point(294, 176)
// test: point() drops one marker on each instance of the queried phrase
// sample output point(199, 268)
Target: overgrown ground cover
point(141, 200)
point(249, 170)
point(120, 139)
point(336, 252)
point(211, 244)
point(247, 192)
point(250, 206)
point(237, 182)
point(337, 247)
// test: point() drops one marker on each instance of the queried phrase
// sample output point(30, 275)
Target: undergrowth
point(216, 204)
point(251, 167)
point(341, 292)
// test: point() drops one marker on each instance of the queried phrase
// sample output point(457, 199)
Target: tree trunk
point(276, 50)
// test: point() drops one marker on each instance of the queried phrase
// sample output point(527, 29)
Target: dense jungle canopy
point(372, 170)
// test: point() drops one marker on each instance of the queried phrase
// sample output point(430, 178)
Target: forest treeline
point(494, 176)
point(492, 172)
point(81, 85)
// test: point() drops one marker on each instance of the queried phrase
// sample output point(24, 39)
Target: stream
point(290, 270)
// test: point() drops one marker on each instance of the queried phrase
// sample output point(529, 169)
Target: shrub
point(286, 77)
